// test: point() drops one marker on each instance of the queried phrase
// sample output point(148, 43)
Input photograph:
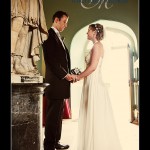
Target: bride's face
point(90, 34)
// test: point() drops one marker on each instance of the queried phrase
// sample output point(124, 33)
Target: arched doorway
point(118, 68)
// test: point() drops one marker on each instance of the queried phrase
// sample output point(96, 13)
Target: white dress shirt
point(59, 36)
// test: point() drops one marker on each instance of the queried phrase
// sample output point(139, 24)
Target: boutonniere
point(75, 71)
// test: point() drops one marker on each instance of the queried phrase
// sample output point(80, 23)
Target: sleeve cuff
point(65, 76)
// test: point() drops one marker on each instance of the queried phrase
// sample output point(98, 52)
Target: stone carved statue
point(28, 32)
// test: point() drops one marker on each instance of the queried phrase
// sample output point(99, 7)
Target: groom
point(57, 62)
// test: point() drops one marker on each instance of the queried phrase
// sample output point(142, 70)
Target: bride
point(96, 126)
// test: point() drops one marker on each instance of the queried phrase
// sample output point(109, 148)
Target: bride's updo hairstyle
point(99, 30)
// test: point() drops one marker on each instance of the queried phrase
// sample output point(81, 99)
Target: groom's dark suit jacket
point(57, 62)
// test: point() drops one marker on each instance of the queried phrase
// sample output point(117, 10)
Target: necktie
point(58, 34)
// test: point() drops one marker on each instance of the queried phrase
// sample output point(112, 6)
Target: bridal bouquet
point(75, 71)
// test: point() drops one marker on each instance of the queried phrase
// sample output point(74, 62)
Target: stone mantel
point(28, 86)
point(26, 115)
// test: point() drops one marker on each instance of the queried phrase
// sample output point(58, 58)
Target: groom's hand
point(69, 77)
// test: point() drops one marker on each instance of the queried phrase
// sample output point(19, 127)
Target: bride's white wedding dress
point(96, 126)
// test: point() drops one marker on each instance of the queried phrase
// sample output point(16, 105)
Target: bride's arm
point(97, 51)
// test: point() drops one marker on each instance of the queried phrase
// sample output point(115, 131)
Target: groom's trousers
point(53, 125)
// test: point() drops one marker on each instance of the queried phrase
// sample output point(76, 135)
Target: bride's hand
point(75, 78)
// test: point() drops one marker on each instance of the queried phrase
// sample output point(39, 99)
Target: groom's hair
point(59, 15)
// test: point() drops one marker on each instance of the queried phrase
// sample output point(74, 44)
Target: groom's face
point(62, 23)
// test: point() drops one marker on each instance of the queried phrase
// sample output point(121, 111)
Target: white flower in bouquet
point(75, 71)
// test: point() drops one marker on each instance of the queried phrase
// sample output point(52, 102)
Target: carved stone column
point(26, 115)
